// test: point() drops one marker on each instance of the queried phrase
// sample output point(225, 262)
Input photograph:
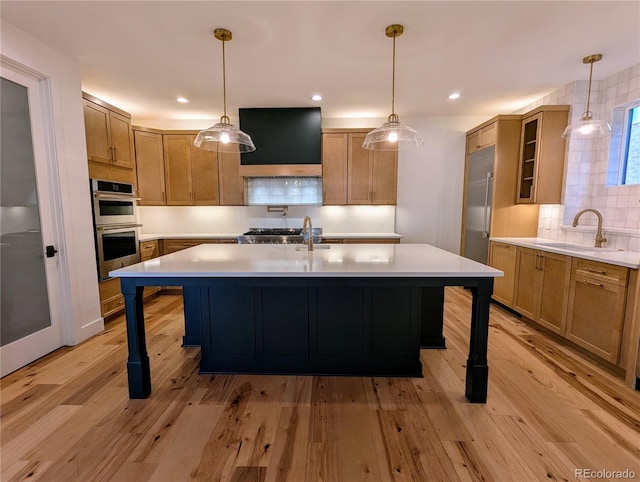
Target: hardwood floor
point(550, 411)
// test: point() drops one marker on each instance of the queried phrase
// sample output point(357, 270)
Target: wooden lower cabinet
point(173, 245)
point(596, 307)
point(148, 250)
point(503, 257)
point(111, 299)
point(581, 300)
point(542, 287)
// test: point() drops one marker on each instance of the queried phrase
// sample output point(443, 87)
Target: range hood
point(287, 139)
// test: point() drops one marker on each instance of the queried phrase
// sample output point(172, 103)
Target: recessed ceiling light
point(455, 95)
point(182, 100)
point(316, 97)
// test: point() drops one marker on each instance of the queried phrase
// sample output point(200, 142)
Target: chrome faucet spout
point(307, 220)
point(599, 239)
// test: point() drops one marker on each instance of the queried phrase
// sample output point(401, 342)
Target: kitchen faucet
point(306, 220)
point(599, 237)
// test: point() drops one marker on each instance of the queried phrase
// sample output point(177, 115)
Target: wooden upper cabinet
point(109, 135)
point(484, 137)
point(177, 170)
point(199, 177)
point(204, 175)
point(334, 168)
point(359, 189)
point(230, 180)
point(96, 127)
point(542, 152)
point(150, 168)
point(372, 176)
point(121, 140)
point(384, 177)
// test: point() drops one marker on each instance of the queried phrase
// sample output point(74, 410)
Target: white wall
point(81, 303)
point(430, 182)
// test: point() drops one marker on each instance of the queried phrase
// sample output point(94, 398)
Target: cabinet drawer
point(601, 271)
point(149, 250)
point(112, 305)
point(173, 245)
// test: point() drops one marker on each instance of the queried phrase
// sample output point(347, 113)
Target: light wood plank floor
point(550, 411)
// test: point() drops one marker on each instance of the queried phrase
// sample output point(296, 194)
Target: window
point(624, 150)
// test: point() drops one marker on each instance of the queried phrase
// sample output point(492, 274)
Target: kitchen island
point(348, 310)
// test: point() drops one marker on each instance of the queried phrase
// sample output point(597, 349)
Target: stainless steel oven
point(113, 203)
point(115, 225)
point(117, 247)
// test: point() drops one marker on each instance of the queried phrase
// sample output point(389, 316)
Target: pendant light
point(587, 126)
point(393, 135)
point(224, 136)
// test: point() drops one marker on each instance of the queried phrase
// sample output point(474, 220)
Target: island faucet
point(599, 237)
point(306, 220)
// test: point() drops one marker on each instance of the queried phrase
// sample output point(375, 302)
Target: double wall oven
point(115, 225)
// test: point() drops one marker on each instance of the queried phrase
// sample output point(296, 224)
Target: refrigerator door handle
point(485, 232)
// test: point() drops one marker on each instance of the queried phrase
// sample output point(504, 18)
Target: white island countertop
point(282, 260)
point(629, 259)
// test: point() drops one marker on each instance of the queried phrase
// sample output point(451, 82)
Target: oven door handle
point(113, 227)
point(114, 195)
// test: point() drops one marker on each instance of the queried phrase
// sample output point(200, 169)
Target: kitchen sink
point(577, 247)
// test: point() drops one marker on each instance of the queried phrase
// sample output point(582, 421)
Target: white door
point(30, 285)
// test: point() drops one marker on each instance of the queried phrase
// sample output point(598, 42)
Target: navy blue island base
point(358, 326)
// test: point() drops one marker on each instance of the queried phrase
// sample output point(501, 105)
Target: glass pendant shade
point(224, 137)
point(393, 135)
point(587, 126)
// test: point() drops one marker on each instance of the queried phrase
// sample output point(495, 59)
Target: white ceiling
point(500, 55)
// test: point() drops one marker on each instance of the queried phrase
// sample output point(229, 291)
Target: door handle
point(485, 231)
point(50, 251)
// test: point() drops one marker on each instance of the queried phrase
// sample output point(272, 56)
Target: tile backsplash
point(284, 190)
point(587, 168)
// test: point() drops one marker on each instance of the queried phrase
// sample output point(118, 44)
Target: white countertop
point(340, 260)
point(149, 237)
point(630, 259)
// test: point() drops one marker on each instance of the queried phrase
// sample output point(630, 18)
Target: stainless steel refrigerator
point(479, 191)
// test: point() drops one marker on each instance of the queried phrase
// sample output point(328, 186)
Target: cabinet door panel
point(503, 257)
point(556, 273)
point(150, 168)
point(334, 168)
point(527, 283)
point(204, 175)
point(96, 125)
point(385, 177)
point(359, 171)
point(231, 182)
point(177, 170)
point(121, 140)
point(595, 316)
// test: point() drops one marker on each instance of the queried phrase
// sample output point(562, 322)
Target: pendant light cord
point(588, 112)
point(393, 78)
point(224, 83)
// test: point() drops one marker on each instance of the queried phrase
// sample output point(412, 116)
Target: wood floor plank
point(550, 410)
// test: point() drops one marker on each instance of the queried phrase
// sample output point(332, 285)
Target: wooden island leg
point(138, 372)
point(477, 368)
